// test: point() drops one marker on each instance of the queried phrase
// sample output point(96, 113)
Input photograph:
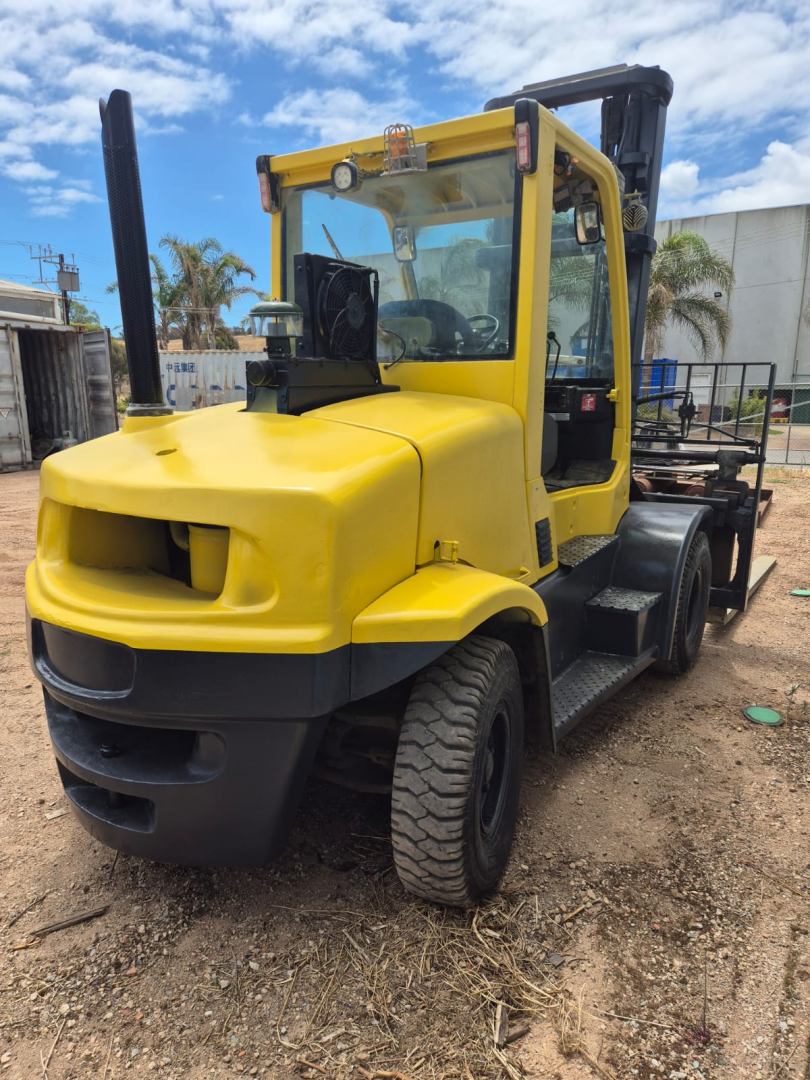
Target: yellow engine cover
point(310, 519)
point(473, 481)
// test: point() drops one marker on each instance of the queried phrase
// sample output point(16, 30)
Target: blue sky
point(216, 82)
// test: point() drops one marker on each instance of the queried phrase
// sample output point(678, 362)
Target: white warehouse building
point(769, 305)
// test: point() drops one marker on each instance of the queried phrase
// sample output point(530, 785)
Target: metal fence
point(731, 399)
point(789, 439)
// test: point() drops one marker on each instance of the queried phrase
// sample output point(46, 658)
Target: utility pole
point(60, 276)
point(67, 275)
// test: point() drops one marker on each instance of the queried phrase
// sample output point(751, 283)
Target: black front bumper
point(195, 758)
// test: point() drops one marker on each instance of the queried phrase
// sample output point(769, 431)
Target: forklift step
point(614, 598)
point(579, 548)
point(621, 621)
point(589, 681)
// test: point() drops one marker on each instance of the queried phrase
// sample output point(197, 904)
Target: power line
point(28, 244)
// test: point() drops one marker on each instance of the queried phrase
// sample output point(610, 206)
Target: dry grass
point(431, 981)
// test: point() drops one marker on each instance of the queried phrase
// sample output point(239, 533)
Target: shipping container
point(192, 380)
point(55, 383)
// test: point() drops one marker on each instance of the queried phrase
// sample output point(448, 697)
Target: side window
point(579, 293)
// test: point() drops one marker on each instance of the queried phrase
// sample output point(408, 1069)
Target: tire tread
point(679, 662)
point(437, 745)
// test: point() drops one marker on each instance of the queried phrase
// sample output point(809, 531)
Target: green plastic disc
point(757, 714)
point(800, 592)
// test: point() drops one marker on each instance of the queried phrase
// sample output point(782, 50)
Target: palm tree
point(207, 278)
point(222, 288)
point(571, 281)
point(166, 296)
point(459, 274)
point(188, 268)
point(682, 267)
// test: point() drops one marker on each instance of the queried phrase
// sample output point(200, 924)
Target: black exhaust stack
point(131, 254)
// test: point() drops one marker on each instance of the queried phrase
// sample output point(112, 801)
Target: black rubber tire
point(690, 615)
point(457, 774)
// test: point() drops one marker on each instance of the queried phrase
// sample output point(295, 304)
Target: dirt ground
point(653, 921)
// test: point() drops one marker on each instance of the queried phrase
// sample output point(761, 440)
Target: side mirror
point(587, 222)
point(404, 243)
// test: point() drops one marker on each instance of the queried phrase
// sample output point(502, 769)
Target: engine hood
point(319, 515)
point(473, 472)
point(319, 519)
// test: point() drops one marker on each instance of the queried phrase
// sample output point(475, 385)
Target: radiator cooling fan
point(347, 311)
point(335, 357)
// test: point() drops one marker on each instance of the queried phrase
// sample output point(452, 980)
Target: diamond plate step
point(589, 681)
point(579, 548)
point(614, 598)
point(621, 621)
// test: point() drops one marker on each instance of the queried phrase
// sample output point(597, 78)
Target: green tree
point(82, 316)
point(459, 278)
point(207, 279)
point(571, 284)
point(683, 267)
point(191, 291)
point(166, 295)
point(224, 337)
point(118, 363)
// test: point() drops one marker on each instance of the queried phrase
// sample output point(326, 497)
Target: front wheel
point(457, 774)
point(693, 603)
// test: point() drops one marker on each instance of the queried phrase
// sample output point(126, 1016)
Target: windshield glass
point(441, 242)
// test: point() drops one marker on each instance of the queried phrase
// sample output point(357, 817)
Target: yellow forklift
point(419, 541)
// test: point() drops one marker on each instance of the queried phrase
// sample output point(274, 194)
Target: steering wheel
point(445, 320)
point(485, 334)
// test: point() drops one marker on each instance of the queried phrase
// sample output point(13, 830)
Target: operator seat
point(548, 453)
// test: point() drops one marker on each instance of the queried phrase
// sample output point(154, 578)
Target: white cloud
point(77, 195)
point(780, 178)
point(14, 150)
point(14, 80)
point(679, 180)
point(161, 85)
point(337, 115)
point(57, 200)
point(71, 50)
point(51, 209)
point(338, 36)
point(27, 170)
point(741, 61)
point(12, 109)
point(740, 66)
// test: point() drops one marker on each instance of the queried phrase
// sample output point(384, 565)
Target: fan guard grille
point(346, 312)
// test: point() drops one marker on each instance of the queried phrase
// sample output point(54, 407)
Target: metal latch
point(446, 551)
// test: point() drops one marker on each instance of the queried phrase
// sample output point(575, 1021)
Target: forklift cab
point(501, 277)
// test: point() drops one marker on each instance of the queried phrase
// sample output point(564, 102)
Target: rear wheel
point(457, 774)
point(693, 602)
